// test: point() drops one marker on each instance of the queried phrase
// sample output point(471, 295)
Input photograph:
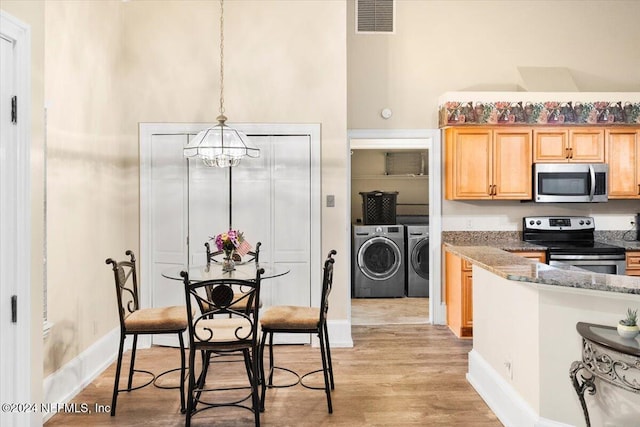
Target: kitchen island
point(524, 337)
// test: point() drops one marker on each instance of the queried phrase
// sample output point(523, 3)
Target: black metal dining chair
point(136, 321)
point(300, 320)
point(223, 322)
point(254, 256)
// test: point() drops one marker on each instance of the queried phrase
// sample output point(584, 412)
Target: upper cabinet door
point(577, 145)
point(586, 145)
point(512, 164)
point(550, 145)
point(469, 164)
point(623, 157)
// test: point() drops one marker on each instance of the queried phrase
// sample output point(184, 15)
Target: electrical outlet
point(469, 224)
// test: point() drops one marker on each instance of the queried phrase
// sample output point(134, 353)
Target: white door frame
point(416, 139)
point(16, 237)
point(146, 130)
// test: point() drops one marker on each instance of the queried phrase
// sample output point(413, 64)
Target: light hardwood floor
point(395, 375)
point(389, 311)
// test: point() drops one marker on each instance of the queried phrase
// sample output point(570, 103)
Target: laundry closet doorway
point(275, 201)
point(422, 199)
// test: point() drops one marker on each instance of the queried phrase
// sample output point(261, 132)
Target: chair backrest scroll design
point(216, 299)
point(126, 281)
point(327, 284)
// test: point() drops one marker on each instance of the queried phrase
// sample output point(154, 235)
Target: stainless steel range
point(570, 240)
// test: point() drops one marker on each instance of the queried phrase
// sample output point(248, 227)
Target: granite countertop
point(517, 268)
point(505, 240)
point(630, 245)
point(512, 240)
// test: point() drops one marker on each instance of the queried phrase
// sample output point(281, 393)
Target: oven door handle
point(592, 174)
point(620, 265)
point(586, 257)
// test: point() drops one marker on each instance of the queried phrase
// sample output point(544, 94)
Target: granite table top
point(514, 267)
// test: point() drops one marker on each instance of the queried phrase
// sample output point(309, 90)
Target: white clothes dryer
point(378, 261)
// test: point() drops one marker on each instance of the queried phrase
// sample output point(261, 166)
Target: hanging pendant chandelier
point(221, 145)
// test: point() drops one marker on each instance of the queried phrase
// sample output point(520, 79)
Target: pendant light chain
point(221, 57)
point(221, 145)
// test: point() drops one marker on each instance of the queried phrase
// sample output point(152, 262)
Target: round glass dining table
point(243, 271)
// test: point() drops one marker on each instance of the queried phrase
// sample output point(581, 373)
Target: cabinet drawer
point(535, 255)
point(633, 260)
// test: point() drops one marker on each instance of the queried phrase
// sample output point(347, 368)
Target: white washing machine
point(417, 260)
point(378, 261)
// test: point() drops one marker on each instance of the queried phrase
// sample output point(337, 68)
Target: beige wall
point(89, 187)
point(443, 46)
point(32, 13)
point(158, 62)
point(285, 62)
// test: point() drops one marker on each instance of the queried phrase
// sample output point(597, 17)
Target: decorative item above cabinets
point(521, 111)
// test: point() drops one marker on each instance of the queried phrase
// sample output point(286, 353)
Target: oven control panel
point(555, 223)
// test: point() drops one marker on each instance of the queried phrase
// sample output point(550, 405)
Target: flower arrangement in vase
point(228, 242)
point(628, 327)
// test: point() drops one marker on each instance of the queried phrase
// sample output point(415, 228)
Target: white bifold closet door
point(271, 204)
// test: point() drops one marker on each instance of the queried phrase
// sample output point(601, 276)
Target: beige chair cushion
point(223, 331)
point(157, 319)
point(290, 317)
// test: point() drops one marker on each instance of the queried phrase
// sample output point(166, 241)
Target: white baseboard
point(502, 398)
point(340, 333)
point(65, 383)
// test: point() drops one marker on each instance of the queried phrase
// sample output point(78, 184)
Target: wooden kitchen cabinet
point(633, 263)
point(459, 295)
point(488, 164)
point(577, 145)
point(540, 256)
point(623, 158)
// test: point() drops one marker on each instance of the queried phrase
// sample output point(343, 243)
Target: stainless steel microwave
point(570, 182)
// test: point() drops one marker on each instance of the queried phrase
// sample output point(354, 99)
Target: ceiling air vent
point(375, 16)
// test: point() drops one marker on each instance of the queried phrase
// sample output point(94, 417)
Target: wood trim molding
point(416, 139)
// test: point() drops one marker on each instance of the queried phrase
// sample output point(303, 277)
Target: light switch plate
point(331, 200)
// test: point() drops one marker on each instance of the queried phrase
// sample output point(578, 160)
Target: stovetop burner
point(582, 248)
